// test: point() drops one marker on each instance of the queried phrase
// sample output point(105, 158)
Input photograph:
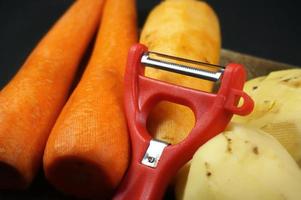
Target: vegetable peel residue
point(229, 143)
point(255, 150)
point(208, 172)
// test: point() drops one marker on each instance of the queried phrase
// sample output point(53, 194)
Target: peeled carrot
point(188, 29)
point(32, 100)
point(88, 149)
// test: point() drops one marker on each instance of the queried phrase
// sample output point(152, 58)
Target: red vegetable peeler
point(155, 162)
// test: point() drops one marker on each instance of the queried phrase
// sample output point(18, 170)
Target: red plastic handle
point(244, 109)
point(212, 112)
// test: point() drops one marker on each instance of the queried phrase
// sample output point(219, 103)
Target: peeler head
point(182, 66)
point(212, 111)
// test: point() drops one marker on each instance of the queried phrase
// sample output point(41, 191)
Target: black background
point(265, 28)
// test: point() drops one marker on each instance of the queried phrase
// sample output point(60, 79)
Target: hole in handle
point(170, 122)
point(244, 108)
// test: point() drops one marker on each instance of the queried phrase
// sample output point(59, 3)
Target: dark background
point(264, 28)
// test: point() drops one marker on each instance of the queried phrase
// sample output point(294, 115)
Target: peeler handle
point(143, 183)
point(212, 112)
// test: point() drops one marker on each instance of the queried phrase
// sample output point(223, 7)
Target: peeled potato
point(187, 29)
point(241, 163)
point(253, 84)
point(277, 108)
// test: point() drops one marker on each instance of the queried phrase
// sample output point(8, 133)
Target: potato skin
point(182, 28)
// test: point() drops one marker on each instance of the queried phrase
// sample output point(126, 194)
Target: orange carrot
point(88, 149)
point(32, 100)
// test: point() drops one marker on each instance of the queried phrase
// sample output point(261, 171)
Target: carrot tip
point(11, 178)
point(70, 174)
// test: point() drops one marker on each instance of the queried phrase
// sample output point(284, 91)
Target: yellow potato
point(241, 163)
point(277, 108)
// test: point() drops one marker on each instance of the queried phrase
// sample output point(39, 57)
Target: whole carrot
point(32, 100)
point(88, 149)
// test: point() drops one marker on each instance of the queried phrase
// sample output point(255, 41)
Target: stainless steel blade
point(183, 68)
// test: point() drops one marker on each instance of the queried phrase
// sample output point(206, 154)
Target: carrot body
point(32, 100)
point(88, 150)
